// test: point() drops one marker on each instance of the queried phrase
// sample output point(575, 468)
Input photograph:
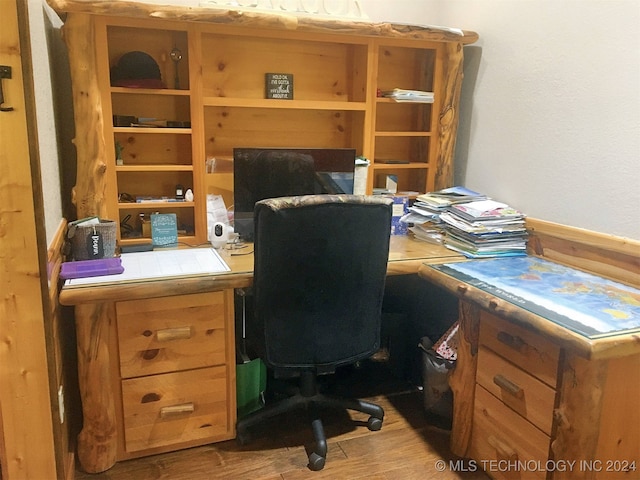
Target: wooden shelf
point(403, 134)
point(150, 91)
point(188, 239)
point(154, 205)
point(152, 130)
point(154, 168)
point(336, 77)
point(399, 166)
point(288, 104)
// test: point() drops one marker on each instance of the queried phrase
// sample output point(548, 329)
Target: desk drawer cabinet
point(159, 335)
point(176, 362)
point(172, 408)
point(501, 435)
point(517, 389)
point(525, 349)
point(515, 395)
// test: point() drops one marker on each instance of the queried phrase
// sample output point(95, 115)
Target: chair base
point(311, 400)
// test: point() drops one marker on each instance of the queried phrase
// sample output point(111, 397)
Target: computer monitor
point(260, 173)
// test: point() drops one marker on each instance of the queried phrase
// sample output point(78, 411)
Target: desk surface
point(557, 310)
point(406, 255)
point(591, 306)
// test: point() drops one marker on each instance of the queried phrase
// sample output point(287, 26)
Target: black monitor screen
point(260, 173)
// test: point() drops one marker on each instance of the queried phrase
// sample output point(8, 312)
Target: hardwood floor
point(406, 448)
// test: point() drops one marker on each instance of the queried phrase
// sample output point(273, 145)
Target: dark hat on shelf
point(136, 70)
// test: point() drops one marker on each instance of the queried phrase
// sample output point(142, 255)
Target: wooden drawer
point(172, 408)
point(501, 435)
point(524, 393)
point(529, 351)
point(159, 335)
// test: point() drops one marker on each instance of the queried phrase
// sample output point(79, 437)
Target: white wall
point(47, 141)
point(550, 119)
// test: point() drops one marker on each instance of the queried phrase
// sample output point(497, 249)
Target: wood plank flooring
point(406, 448)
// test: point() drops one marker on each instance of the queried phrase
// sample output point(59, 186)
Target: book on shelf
point(402, 95)
point(147, 199)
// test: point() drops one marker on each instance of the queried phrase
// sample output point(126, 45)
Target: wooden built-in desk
point(525, 389)
point(156, 358)
point(174, 331)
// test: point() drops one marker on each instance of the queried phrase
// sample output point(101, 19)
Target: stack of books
point(424, 214)
point(485, 228)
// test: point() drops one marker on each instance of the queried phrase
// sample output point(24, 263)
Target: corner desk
point(534, 399)
point(156, 365)
point(156, 358)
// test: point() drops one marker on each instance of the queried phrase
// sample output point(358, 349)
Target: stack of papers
point(425, 212)
point(468, 222)
point(428, 206)
point(416, 96)
point(427, 232)
point(450, 196)
point(485, 228)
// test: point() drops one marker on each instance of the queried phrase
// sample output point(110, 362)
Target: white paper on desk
point(160, 264)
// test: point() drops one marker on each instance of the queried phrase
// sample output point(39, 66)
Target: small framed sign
point(279, 85)
point(164, 229)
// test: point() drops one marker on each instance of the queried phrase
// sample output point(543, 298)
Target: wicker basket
point(107, 230)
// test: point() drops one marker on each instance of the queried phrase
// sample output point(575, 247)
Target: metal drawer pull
point(510, 341)
point(503, 450)
point(168, 334)
point(508, 386)
point(177, 409)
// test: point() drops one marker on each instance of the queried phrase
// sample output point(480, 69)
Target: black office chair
point(319, 275)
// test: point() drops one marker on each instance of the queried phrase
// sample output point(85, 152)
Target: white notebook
point(160, 264)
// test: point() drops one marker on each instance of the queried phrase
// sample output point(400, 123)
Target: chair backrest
point(319, 275)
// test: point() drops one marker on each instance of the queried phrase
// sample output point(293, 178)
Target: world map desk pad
point(584, 303)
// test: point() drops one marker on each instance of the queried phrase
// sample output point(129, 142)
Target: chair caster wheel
point(242, 438)
point(316, 462)
point(374, 424)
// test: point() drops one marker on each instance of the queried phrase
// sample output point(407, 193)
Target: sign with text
point(279, 86)
point(164, 229)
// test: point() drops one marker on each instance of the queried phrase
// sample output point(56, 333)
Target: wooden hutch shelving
point(339, 67)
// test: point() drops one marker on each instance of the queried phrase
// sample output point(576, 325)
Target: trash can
point(438, 399)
